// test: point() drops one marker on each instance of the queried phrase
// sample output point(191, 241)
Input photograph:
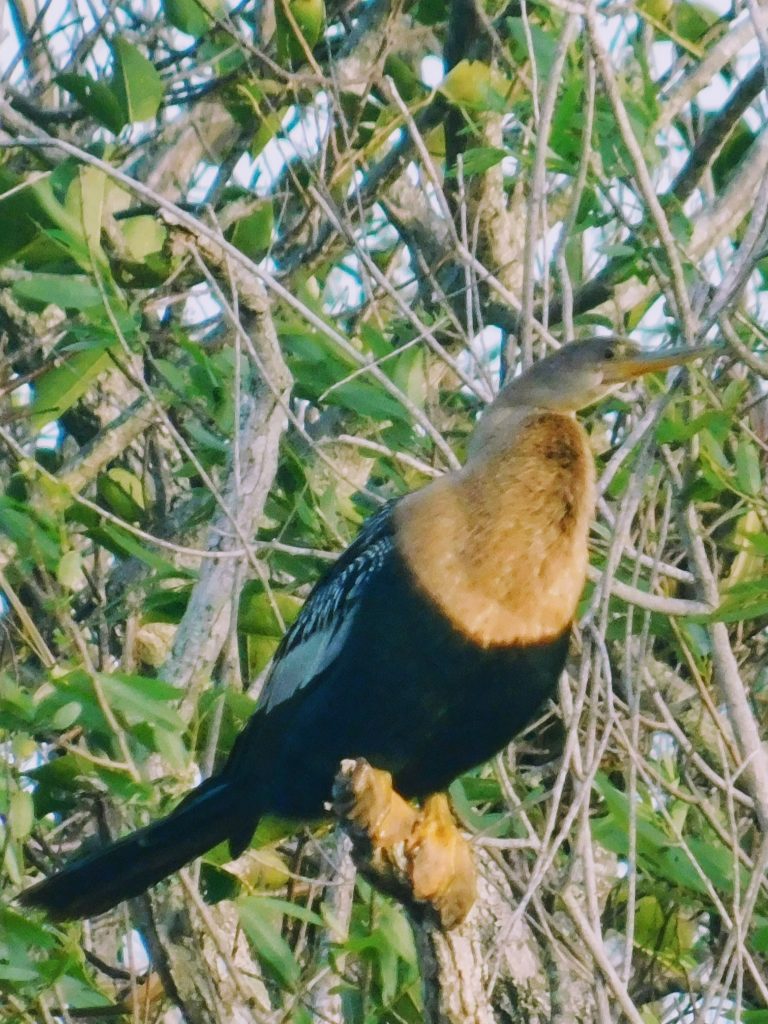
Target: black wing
point(318, 634)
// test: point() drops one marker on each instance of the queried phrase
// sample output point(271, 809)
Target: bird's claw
point(415, 854)
point(440, 865)
point(364, 799)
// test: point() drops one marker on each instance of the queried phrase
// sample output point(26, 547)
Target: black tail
point(89, 886)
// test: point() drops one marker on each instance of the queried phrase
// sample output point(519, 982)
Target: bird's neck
point(498, 427)
point(501, 545)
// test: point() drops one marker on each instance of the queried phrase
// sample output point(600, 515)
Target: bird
point(427, 646)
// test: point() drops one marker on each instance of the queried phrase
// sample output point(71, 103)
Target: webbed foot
point(440, 863)
point(364, 798)
point(419, 856)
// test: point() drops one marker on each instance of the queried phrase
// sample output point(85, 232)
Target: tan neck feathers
point(501, 545)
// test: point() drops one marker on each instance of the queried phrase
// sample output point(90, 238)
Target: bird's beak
point(638, 363)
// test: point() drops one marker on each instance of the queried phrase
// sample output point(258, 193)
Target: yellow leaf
point(748, 564)
point(474, 83)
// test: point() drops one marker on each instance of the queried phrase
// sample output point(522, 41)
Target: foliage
point(192, 193)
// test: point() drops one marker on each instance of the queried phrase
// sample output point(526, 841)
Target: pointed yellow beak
point(638, 363)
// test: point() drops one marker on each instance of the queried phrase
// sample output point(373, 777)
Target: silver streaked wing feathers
point(318, 635)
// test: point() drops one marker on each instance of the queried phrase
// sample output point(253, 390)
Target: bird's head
point(577, 375)
point(582, 372)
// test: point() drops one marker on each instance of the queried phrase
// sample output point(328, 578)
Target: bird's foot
point(364, 799)
point(440, 864)
point(419, 856)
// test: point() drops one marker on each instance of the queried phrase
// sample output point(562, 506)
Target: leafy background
point(260, 267)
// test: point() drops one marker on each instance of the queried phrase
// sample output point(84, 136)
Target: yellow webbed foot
point(420, 856)
point(364, 797)
point(440, 863)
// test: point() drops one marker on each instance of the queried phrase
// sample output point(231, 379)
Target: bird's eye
point(610, 353)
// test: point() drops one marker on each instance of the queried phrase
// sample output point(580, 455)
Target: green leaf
point(191, 16)
point(660, 854)
point(172, 374)
point(28, 211)
point(8, 973)
point(141, 699)
point(674, 427)
point(733, 611)
point(409, 371)
point(301, 913)
point(137, 85)
point(29, 934)
point(252, 234)
point(217, 49)
point(467, 791)
point(691, 20)
point(69, 291)
point(167, 604)
point(431, 12)
point(386, 947)
point(59, 783)
point(59, 388)
point(21, 814)
point(260, 927)
point(476, 85)
point(745, 600)
point(408, 83)
point(367, 400)
point(123, 543)
point(732, 155)
point(759, 940)
point(93, 186)
point(123, 493)
point(544, 45)
point(712, 446)
point(663, 931)
point(66, 715)
point(24, 529)
point(70, 571)
point(479, 160)
point(269, 126)
point(258, 620)
point(650, 838)
point(256, 613)
point(97, 98)
point(77, 993)
point(143, 236)
point(309, 16)
point(618, 249)
point(748, 467)
point(171, 748)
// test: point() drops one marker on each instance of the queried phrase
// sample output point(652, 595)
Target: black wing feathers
point(335, 595)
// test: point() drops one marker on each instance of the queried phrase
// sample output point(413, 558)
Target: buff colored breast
point(501, 546)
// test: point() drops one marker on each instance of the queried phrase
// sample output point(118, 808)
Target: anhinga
point(429, 644)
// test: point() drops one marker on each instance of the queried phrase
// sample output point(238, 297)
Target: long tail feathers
point(125, 868)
